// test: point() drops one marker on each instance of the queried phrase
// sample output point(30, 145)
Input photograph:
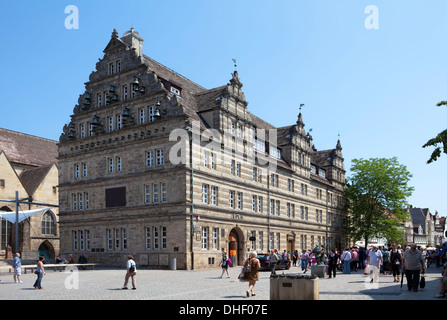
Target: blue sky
point(377, 89)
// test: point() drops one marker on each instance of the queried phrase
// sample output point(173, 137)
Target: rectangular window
point(215, 238)
point(109, 124)
point(260, 241)
point(260, 204)
point(239, 200)
point(119, 122)
point(90, 130)
point(156, 239)
point(205, 190)
point(147, 194)
point(151, 114)
point(74, 202)
point(214, 195)
point(111, 68)
point(99, 100)
point(141, 114)
point(81, 240)
point(149, 159)
point(109, 239)
point(77, 173)
point(124, 239)
point(111, 165)
point(82, 129)
point(253, 242)
point(119, 164)
point(87, 240)
point(163, 238)
point(160, 159)
point(277, 207)
point(75, 240)
point(254, 203)
point(117, 239)
point(148, 238)
point(81, 202)
point(118, 66)
point(155, 193)
point(86, 201)
point(125, 94)
point(231, 199)
point(84, 170)
point(213, 161)
point(238, 169)
point(205, 238)
point(164, 192)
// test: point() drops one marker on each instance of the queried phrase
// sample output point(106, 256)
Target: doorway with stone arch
point(46, 249)
point(235, 246)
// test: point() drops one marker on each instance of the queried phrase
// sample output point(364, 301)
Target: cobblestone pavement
point(106, 283)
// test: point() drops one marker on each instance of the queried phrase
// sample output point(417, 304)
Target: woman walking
point(396, 261)
point(224, 262)
point(251, 267)
point(40, 271)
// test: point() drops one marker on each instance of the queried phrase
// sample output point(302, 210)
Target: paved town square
point(156, 284)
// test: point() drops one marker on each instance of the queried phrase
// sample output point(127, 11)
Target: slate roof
point(32, 178)
point(26, 149)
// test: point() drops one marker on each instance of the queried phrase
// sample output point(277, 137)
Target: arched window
point(5, 230)
point(48, 223)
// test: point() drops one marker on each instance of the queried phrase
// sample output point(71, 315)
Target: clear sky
point(376, 88)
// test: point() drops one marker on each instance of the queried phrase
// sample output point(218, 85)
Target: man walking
point(273, 259)
point(374, 260)
point(17, 265)
point(413, 263)
point(131, 273)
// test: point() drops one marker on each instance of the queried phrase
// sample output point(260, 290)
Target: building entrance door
point(235, 250)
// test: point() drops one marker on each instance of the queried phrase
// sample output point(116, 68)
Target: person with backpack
point(225, 262)
point(251, 267)
point(131, 273)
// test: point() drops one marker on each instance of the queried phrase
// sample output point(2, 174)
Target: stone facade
point(28, 165)
point(159, 167)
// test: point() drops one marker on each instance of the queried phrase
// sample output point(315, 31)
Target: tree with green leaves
point(376, 199)
point(440, 139)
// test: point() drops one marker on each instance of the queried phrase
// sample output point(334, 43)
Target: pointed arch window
point(48, 223)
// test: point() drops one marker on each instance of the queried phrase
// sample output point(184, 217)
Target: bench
point(55, 267)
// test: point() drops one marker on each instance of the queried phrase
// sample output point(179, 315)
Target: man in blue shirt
point(17, 265)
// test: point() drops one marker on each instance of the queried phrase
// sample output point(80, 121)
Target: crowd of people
point(410, 262)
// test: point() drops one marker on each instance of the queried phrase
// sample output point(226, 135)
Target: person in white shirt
point(373, 262)
point(346, 257)
point(131, 273)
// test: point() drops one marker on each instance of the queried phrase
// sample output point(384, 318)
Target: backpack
point(247, 267)
point(229, 261)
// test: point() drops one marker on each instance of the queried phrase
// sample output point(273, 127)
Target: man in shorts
point(17, 265)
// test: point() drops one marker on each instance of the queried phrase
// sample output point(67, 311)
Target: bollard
point(174, 264)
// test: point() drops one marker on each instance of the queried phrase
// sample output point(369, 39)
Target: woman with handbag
point(396, 261)
point(40, 271)
point(251, 267)
point(225, 261)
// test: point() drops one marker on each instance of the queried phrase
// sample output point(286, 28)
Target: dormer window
point(175, 91)
point(322, 173)
point(275, 153)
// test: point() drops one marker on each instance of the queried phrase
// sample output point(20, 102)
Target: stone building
point(28, 165)
point(427, 229)
point(155, 165)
